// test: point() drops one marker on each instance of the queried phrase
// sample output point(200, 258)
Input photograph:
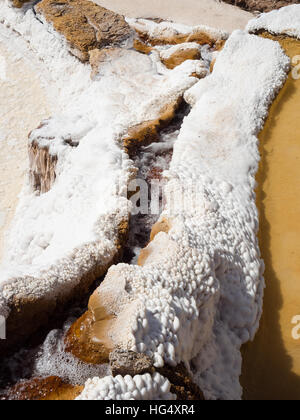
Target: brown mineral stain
point(141, 47)
point(200, 36)
point(43, 389)
point(148, 131)
point(181, 56)
point(163, 225)
point(88, 338)
point(271, 364)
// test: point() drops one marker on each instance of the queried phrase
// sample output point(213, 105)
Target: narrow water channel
point(44, 356)
point(271, 364)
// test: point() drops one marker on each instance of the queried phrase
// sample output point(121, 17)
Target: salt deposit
point(201, 298)
point(60, 237)
point(140, 387)
point(166, 32)
point(285, 21)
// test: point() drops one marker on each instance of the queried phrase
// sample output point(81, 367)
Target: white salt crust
point(185, 46)
point(60, 236)
point(284, 21)
point(198, 297)
point(169, 29)
point(201, 298)
point(140, 387)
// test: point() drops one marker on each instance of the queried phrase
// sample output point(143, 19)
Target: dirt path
point(271, 367)
point(190, 12)
point(22, 107)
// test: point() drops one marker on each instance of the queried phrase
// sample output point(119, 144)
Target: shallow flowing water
point(271, 368)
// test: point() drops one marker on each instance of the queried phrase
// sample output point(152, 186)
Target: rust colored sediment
point(19, 3)
point(271, 364)
point(80, 338)
point(141, 47)
point(43, 389)
point(200, 36)
point(181, 56)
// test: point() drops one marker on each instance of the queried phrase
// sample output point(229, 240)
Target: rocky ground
point(261, 5)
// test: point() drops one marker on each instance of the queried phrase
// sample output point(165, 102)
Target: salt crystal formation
point(72, 217)
point(166, 33)
point(198, 295)
point(285, 21)
point(173, 56)
point(140, 387)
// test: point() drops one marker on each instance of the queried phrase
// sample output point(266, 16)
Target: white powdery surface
point(23, 105)
point(285, 21)
point(169, 29)
point(185, 46)
point(140, 387)
point(59, 236)
point(199, 293)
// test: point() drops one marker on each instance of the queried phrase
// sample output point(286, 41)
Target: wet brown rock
point(181, 383)
point(148, 132)
point(106, 325)
point(201, 37)
point(29, 313)
point(180, 56)
point(123, 362)
point(88, 339)
point(84, 24)
point(37, 389)
point(79, 340)
point(141, 47)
